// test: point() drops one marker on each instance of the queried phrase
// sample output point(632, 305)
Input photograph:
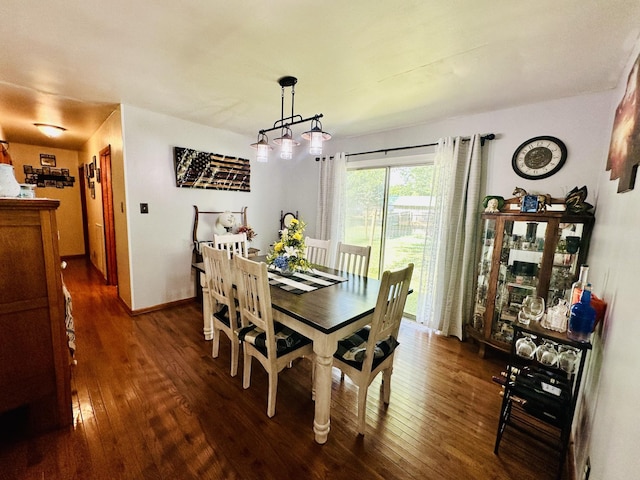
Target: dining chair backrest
point(254, 297)
point(317, 251)
point(353, 259)
point(394, 288)
point(217, 270)
point(233, 243)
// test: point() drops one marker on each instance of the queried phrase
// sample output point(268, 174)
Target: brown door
point(108, 213)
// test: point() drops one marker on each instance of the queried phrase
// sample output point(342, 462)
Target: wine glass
point(533, 307)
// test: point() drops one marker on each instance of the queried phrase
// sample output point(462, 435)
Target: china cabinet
point(523, 254)
point(541, 386)
point(34, 354)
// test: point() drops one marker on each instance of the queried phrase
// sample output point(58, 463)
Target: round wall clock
point(539, 157)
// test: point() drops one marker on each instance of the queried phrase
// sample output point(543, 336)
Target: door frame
point(106, 187)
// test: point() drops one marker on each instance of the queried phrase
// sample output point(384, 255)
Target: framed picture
point(92, 170)
point(47, 160)
point(624, 149)
point(64, 172)
point(529, 204)
point(98, 175)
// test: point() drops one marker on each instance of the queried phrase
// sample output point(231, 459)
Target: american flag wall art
point(196, 169)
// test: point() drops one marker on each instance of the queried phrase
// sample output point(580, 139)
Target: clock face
point(539, 157)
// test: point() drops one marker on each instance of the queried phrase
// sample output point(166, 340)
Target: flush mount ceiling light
point(52, 131)
point(315, 135)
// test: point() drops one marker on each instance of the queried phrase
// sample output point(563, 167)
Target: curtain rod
point(489, 136)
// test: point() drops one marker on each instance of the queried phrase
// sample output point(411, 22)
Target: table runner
point(301, 282)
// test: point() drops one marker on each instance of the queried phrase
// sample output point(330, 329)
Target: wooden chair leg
point(235, 353)
point(362, 408)
point(215, 345)
point(207, 328)
point(246, 375)
point(386, 385)
point(273, 389)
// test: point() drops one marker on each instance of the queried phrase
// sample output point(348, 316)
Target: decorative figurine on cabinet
point(492, 204)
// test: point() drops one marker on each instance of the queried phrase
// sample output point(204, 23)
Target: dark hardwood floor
point(149, 402)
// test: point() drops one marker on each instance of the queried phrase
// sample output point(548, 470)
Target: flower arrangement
point(288, 253)
point(248, 230)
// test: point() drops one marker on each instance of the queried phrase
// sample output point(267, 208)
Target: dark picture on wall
point(47, 160)
point(624, 150)
point(196, 169)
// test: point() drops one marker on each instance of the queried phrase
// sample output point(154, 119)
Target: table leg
point(322, 420)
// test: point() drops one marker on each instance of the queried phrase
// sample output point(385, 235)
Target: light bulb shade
point(262, 146)
point(286, 143)
point(316, 137)
point(52, 131)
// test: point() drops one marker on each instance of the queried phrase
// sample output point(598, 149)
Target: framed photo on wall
point(47, 160)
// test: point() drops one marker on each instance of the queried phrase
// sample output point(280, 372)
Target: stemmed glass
point(532, 309)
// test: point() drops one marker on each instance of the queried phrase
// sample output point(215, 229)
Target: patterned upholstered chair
point(369, 351)
point(272, 344)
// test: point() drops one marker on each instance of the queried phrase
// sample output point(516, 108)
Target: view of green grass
point(406, 232)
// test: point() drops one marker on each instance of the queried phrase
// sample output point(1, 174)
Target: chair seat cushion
point(287, 340)
point(352, 349)
point(223, 316)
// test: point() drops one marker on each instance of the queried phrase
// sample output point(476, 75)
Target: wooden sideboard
point(34, 354)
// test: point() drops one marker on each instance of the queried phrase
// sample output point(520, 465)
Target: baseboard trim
point(155, 308)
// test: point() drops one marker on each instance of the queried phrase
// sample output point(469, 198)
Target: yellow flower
point(278, 247)
point(294, 221)
point(297, 236)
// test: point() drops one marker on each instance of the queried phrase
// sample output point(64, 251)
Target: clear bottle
point(578, 285)
point(583, 317)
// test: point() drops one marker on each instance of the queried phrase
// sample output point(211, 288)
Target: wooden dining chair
point(272, 344)
point(353, 259)
point(221, 301)
point(317, 251)
point(233, 243)
point(371, 349)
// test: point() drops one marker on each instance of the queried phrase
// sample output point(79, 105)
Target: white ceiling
point(367, 65)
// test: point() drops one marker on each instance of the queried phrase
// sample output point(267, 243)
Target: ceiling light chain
point(315, 135)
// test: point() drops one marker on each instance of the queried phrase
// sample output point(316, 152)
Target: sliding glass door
point(388, 208)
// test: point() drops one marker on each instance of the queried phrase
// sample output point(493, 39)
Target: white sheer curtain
point(330, 216)
point(449, 256)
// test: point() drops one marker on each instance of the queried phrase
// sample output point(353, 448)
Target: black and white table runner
point(301, 282)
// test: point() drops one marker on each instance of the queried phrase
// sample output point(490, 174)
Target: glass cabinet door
point(484, 272)
point(565, 261)
point(521, 256)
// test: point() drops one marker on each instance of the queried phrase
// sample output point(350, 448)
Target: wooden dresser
point(34, 354)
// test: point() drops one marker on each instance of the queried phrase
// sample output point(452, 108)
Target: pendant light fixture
point(286, 141)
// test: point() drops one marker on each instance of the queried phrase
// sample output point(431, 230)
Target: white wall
point(582, 123)
point(160, 241)
point(612, 391)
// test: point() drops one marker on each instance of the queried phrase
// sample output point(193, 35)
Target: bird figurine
point(575, 200)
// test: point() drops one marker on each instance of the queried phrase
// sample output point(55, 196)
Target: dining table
point(324, 315)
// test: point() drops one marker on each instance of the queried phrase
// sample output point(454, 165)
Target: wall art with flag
point(196, 169)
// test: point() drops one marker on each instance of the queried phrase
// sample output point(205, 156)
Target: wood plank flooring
point(149, 402)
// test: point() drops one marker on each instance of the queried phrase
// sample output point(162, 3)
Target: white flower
point(290, 252)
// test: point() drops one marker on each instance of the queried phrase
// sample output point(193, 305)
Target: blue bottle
point(583, 317)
